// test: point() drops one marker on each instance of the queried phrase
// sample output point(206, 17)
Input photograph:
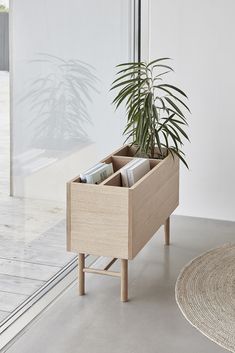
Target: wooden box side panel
point(153, 201)
point(99, 220)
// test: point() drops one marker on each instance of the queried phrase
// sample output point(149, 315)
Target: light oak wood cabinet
point(115, 221)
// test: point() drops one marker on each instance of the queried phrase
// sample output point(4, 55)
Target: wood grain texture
point(81, 274)
point(124, 280)
point(99, 220)
point(154, 198)
point(101, 272)
point(128, 151)
point(117, 161)
point(110, 220)
point(167, 231)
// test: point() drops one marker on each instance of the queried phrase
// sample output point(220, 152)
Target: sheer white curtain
point(63, 62)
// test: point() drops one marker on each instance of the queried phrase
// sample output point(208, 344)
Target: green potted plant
point(156, 118)
point(111, 219)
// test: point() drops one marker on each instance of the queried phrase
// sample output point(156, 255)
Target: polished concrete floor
point(150, 322)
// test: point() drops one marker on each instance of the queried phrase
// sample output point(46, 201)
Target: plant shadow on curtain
point(58, 100)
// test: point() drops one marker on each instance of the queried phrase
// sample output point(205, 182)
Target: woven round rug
point(205, 293)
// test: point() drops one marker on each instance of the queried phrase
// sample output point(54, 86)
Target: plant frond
point(174, 88)
point(156, 115)
point(157, 60)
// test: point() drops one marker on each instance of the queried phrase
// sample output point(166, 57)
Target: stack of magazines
point(97, 173)
point(134, 170)
point(130, 173)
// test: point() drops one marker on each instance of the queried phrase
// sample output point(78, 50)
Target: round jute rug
point(205, 293)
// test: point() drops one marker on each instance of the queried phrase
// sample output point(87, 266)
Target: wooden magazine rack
point(115, 221)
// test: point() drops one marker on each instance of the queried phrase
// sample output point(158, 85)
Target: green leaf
point(169, 150)
point(133, 80)
point(171, 133)
point(158, 141)
point(175, 97)
point(166, 140)
point(165, 67)
point(163, 104)
point(174, 141)
point(127, 87)
point(181, 130)
point(135, 107)
point(153, 119)
point(177, 121)
point(133, 69)
point(174, 88)
point(169, 110)
point(166, 121)
point(126, 75)
point(174, 105)
point(161, 74)
point(130, 134)
point(175, 133)
point(134, 63)
point(178, 153)
point(124, 93)
point(157, 60)
point(155, 114)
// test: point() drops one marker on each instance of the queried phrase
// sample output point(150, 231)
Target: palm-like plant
point(155, 110)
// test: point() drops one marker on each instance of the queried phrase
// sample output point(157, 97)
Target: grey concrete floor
point(150, 322)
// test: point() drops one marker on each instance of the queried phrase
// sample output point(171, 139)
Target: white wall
point(199, 36)
point(46, 37)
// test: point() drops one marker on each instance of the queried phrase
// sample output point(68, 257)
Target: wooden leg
point(124, 280)
point(167, 231)
point(81, 274)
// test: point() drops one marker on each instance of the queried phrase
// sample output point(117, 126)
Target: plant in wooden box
point(155, 109)
point(117, 219)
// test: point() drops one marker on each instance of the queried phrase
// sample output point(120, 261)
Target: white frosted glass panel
point(63, 59)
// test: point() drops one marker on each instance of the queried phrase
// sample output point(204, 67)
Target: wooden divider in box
point(107, 220)
point(118, 162)
point(128, 151)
